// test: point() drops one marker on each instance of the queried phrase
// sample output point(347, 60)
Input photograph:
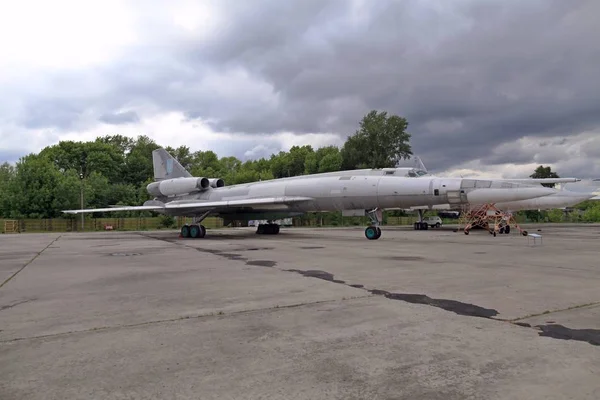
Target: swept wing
point(195, 205)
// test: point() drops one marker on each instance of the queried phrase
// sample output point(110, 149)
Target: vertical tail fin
point(419, 164)
point(166, 166)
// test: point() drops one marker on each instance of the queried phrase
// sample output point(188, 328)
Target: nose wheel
point(373, 232)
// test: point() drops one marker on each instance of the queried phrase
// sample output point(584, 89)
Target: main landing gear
point(194, 230)
point(420, 225)
point(373, 232)
point(267, 229)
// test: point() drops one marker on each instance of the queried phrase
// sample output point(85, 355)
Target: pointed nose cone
point(485, 196)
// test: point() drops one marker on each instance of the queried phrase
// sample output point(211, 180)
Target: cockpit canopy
point(415, 173)
point(407, 172)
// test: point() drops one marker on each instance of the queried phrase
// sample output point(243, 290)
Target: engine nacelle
point(177, 186)
point(216, 182)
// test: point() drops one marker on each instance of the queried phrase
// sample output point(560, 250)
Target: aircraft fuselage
point(352, 192)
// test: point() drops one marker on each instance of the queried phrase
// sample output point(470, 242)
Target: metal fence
point(97, 224)
point(155, 223)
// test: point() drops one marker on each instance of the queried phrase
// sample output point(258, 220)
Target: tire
point(202, 231)
point(185, 231)
point(437, 225)
point(507, 229)
point(194, 231)
point(371, 233)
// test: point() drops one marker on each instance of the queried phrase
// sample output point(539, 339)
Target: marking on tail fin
point(169, 166)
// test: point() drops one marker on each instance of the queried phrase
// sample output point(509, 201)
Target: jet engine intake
point(216, 182)
point(177, 186)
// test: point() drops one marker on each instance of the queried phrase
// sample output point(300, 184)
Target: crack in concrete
point(16, 303)
point(548, 312)
point(555, 331)
point(183, 318)
point(28, 262)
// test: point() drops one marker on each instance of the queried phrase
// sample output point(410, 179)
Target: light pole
point(81, 196)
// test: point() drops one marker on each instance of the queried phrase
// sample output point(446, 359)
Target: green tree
point(123, 143)
point(280, 165)
point(138, 162)
point(314, 160)
point(33, 191)
point(183, 155)
point(7, 174)
point(381, 141)
point(296, 158)
point(331, 162)
point(87, 157)
point(542, 172)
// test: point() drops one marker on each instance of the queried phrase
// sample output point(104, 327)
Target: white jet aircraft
point(177, 193)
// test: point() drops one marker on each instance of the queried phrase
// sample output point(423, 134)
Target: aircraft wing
point(259, 202)
point(114, 209)
point(195, 205)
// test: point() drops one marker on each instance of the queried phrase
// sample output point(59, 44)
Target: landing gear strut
point(194, 230)
point(373, 232)
point(267, 229)
point(420, 225)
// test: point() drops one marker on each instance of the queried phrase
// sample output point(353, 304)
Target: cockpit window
point(414, 173)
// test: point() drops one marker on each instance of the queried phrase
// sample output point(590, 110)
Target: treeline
point(115, 170)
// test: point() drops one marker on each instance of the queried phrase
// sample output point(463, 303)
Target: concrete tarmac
point(306, 314)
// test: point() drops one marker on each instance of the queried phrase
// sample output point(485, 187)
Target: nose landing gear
point(373, 232)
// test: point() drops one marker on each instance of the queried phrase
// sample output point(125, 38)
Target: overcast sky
point(492, 86)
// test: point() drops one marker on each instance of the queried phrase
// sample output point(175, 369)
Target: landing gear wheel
point(185, 231)
point(524, 233)
point(507, 229)
point(501, 230)
point(202, 231)
point(466, 232)
point(260, 230)
point(371, 233)
point(194, 231)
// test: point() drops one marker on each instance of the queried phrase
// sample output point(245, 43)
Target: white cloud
point(64, 34)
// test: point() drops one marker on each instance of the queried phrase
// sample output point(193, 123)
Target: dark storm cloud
point(503, 69)
point(468, 75)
